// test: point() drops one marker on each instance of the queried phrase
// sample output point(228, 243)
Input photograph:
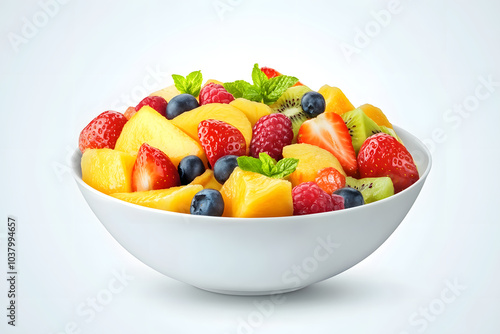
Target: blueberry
point(352, 197)
point(313, 104)
point(224, 167)
point(190, 167)
point(181, 103)
point(207, 202)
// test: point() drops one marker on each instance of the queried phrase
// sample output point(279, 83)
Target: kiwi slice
point(391, 132)
point(289, 105)
point(372, 188)
point(360, 127)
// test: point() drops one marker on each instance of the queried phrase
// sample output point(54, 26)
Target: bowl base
point(250, 293)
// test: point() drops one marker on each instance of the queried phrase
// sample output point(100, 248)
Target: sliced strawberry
point(103, 131)
point(153, 170)
point(271, 73)
point(219, 138)
point(329, 132)
point(383, 155)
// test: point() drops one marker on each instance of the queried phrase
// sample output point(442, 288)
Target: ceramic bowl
point(255, 256)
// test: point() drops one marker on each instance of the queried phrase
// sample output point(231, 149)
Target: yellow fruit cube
point(207, 180)
point(177, 199)
point(253, 110)
point(249, 194)
point(148, 126)
point(189, 120)
point(107, 170)
point(311, 160)
point(335, 100)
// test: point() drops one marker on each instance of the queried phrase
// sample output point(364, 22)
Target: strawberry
point(382, 155)
point(219, 138)
point(271, 73)
point(270, 134)
point(153, 170)
point(329, 132)
point(158, 103)
point(103, 131)
point(214, 93)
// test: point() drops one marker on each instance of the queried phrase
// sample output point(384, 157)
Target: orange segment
point(107, 170)
point(207, 180)
point(376, 115)
point(311, 160)
point(177, 199)
point(148, 126)
point(335, 100)
point(249, 194)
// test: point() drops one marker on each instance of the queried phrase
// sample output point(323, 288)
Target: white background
point(58, 71)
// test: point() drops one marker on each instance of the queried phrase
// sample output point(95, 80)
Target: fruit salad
point(267, 148)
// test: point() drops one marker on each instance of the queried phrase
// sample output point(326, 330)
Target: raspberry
point(214, 93)
point(309, 198)
point(338, 202)
point(158, 103)
point(270, 134)
point(330, 179)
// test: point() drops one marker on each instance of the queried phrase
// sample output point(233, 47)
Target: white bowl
point(255, 256)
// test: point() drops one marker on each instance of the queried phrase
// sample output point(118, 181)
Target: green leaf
point(180, 82)
point(250, 164)
point(194, 79)
point(191, 84)
point(253, 93)
point(237, 88)
point(286, 167)
point(277, 86)
point(259, 78)
point(268, 164)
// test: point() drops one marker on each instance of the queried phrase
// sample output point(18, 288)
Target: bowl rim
point(422, 177)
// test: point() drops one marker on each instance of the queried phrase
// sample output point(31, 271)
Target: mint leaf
point(259, 78)
point(237, 88)
point(253, 93)
point(267, 166)
point(250, 164)
point(194, 80)
point(180, 82)
point(191, 84)
point(286, 167)
point(275, 87)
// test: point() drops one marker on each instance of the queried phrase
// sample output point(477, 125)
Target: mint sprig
point(267, 166)
point(263, 89)
point(191, 84)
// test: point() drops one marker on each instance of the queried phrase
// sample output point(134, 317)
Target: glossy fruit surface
point(309, 198)
point(313, 104)
point(352, 197)
point(224, 167)
point(189, 168)
point(270, 134)
point(103, 131)
point(214, 93)
point(158, 103)
point(207, 202)
point(179, 104)
point(330, 179)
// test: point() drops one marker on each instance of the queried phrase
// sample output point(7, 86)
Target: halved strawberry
point(383, 155)
point(219, 138)
point(103, 131)
point(271, 73)
point(329, 132)
point(153, 170)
